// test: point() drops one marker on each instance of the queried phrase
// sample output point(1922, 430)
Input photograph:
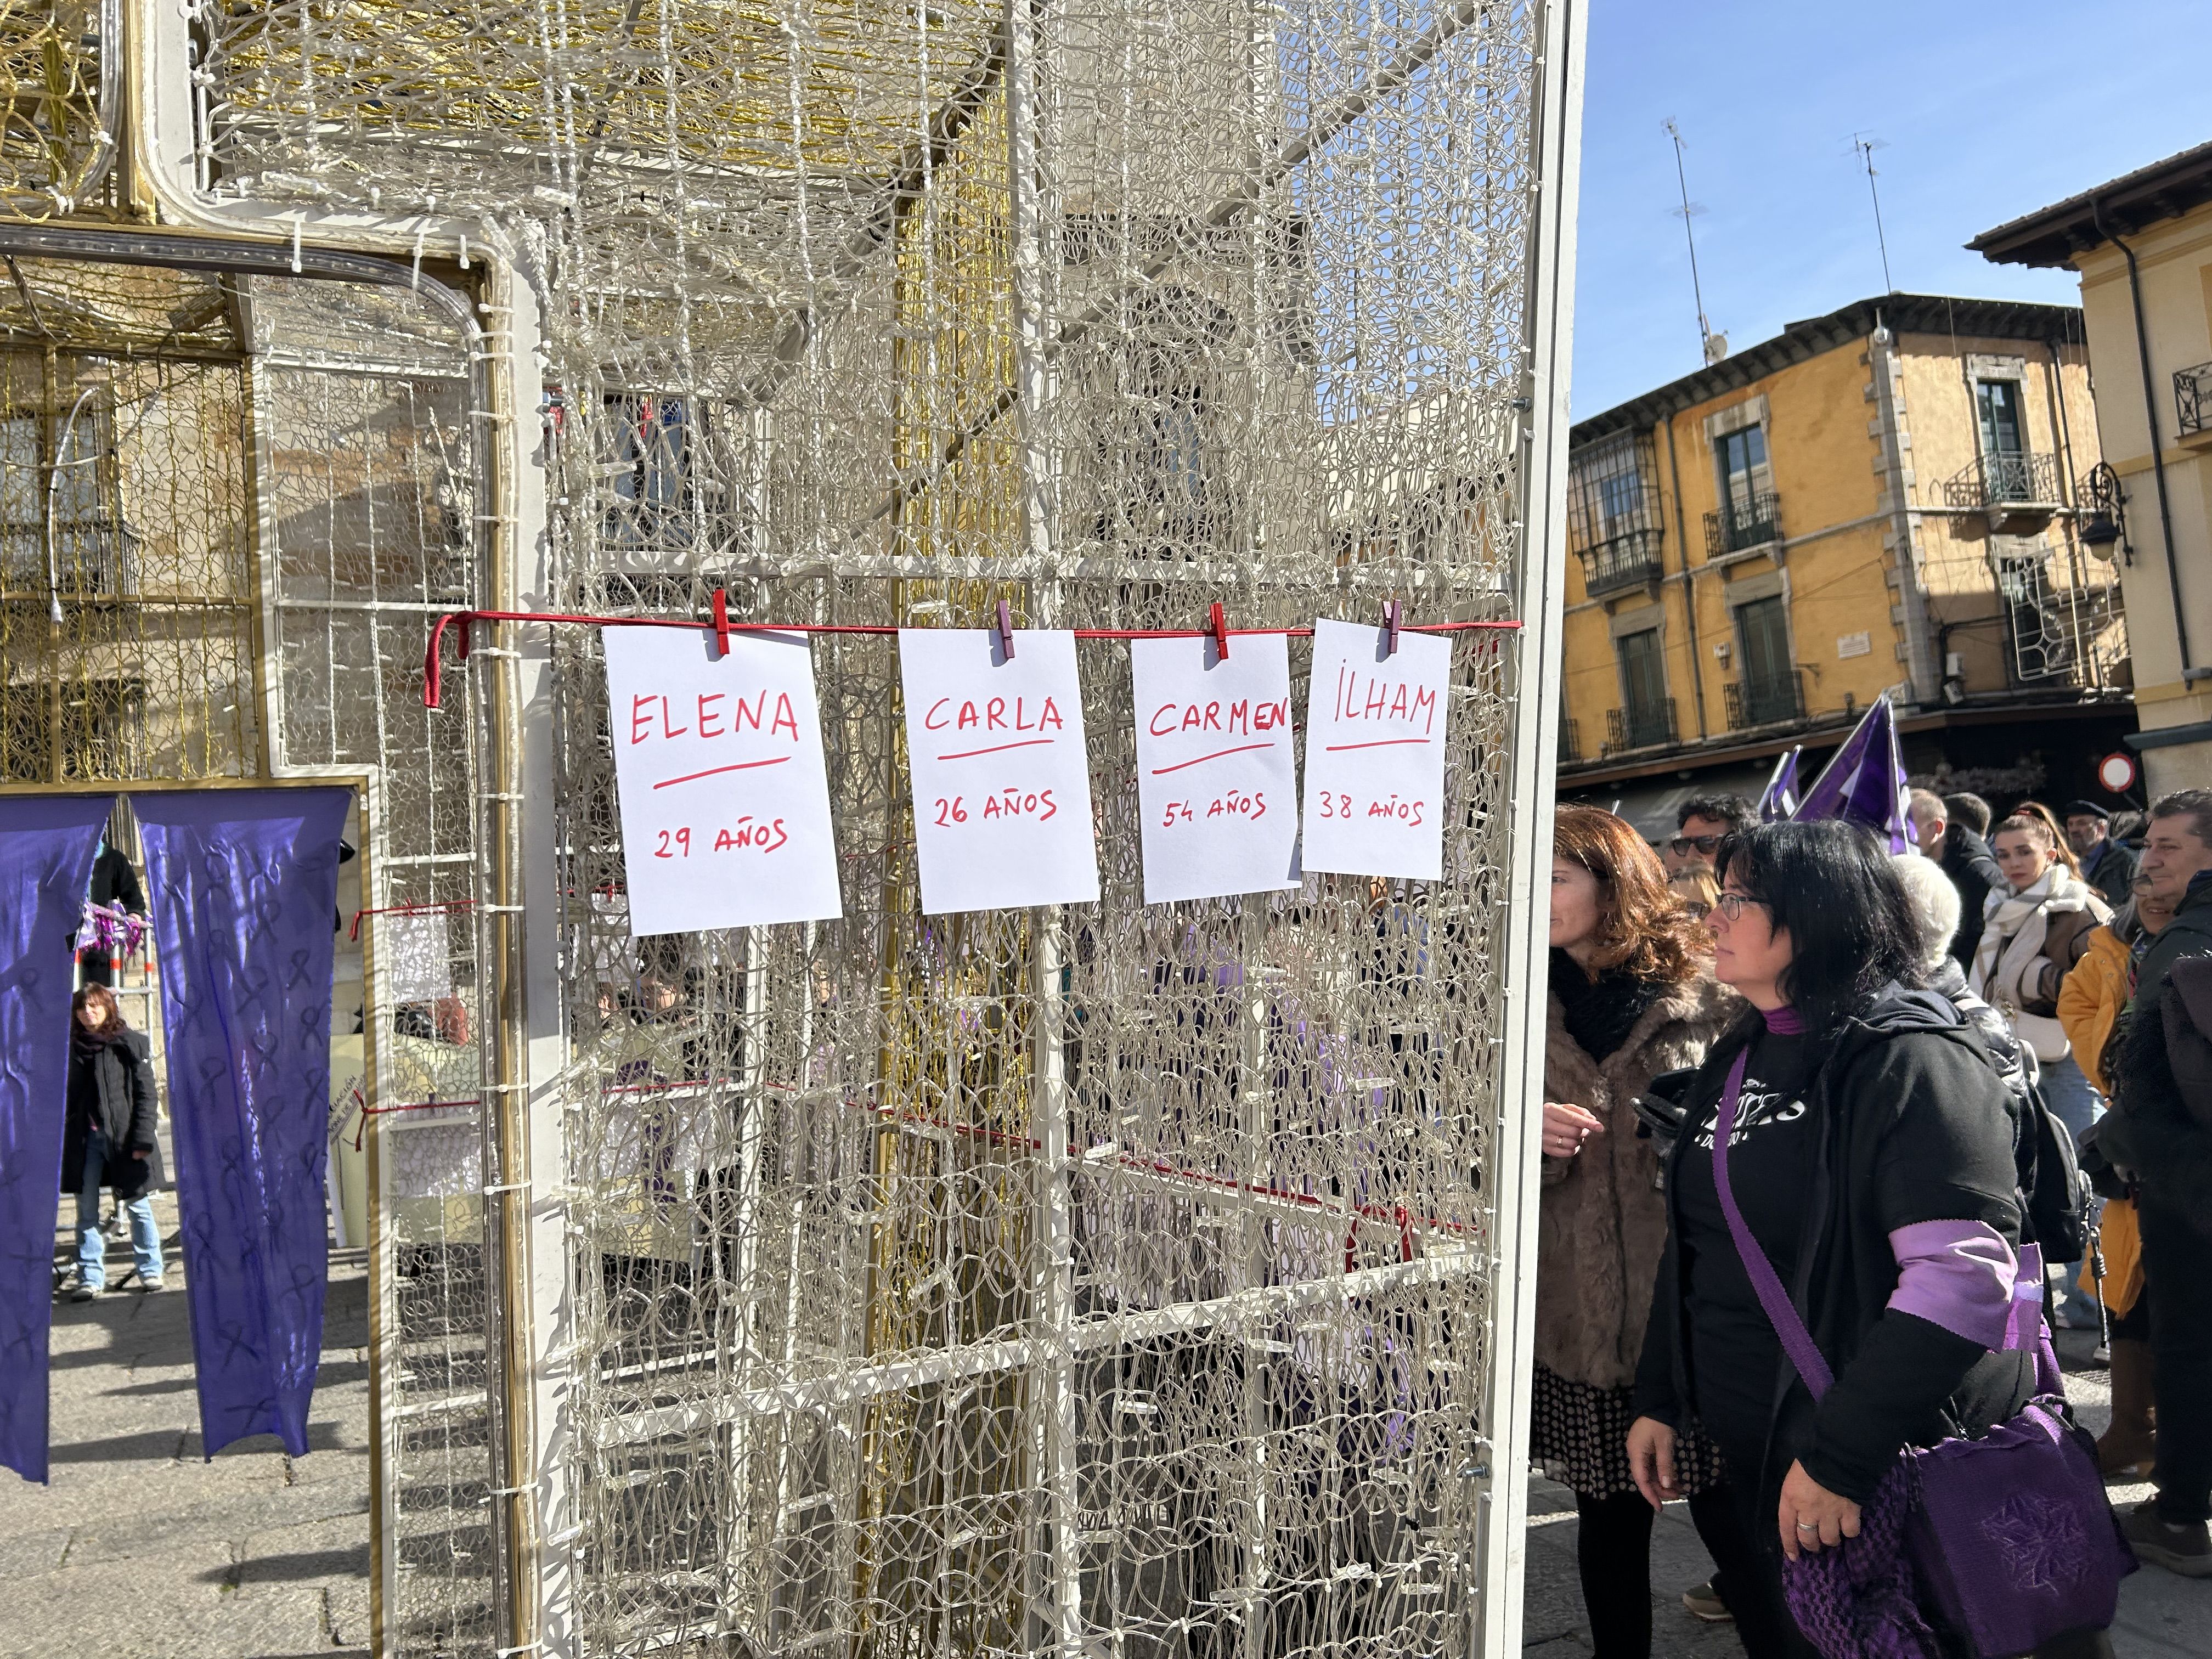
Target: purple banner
point(243, 884)
point(46, 848)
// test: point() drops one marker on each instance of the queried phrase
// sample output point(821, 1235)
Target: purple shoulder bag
point(2006, 1541)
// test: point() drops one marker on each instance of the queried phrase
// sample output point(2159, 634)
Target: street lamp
point(2108, 521)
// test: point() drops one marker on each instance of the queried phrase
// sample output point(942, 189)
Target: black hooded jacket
point(111, 1088)
point(1909, 1123)
point(1973, 870)
point(2156, 1133)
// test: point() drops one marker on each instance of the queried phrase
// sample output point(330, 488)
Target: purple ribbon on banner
point(243, 885)
point(46, 848)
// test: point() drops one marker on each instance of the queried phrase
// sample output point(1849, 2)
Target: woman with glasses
point(1870, 1157)
point(1630, 997)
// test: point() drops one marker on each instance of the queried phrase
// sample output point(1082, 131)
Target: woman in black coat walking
point(109, 1140)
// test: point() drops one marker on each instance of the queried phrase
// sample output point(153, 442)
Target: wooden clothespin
point(1005, 631)
point(721, 623)
point(1390, 615)
point(1219, 623)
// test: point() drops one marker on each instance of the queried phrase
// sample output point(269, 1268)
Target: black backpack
point(2054, 1195)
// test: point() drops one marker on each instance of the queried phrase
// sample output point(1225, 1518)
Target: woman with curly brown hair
point(1632, 996)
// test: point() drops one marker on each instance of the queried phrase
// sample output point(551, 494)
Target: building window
point(1748, 509)
point(1767, 691)
point(1613, 513)
point(2004, 425)
point(2003, 419)
point(1647, 713)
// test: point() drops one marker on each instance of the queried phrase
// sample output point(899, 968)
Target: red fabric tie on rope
point(433, 678)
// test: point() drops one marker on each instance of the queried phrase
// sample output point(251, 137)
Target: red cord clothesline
point(439, 907)
point(434, 665)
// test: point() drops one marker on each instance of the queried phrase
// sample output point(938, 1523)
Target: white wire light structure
point(1111, 1279)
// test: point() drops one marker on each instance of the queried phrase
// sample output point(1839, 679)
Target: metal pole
point(1496, 1476)
point(502, 1004)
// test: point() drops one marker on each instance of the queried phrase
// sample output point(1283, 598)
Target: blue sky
point(1988, 112)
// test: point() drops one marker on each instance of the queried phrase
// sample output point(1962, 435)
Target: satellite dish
point(1716, 348)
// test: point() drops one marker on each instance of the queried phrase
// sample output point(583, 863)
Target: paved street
point(140, 1548)
point(2157, 1609)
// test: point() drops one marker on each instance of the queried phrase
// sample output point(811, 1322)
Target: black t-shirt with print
point(1734, 1352)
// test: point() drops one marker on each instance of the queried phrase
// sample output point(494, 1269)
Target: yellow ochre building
point(1889, 498)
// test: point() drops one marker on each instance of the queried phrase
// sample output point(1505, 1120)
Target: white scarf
point(2012, 931)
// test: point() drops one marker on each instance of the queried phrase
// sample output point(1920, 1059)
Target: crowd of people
point(1795, 1084)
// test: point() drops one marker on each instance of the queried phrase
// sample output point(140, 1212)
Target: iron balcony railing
point(1752, 522)
point(2192, 398)
point(2007, 479)
point(1629, 559)
point(1642, 725)
point(1765, 700)
point(1571, 743)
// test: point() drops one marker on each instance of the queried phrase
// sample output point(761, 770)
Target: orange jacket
point(2091, 999)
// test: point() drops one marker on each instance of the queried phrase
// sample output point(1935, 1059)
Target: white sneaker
point(156, 1283)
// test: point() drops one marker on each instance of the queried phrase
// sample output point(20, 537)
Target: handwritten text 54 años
point(1236, 803)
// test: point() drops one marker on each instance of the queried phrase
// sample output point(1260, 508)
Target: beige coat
point(1602, 1222)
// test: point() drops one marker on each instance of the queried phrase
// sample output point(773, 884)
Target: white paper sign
point(718, 765)
point(416, 946)
point(1001, 777)
point(1217, 778)
point(1375, 753)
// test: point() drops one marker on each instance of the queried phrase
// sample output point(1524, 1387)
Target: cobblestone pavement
point(141, 1549)
point(2158, 1610)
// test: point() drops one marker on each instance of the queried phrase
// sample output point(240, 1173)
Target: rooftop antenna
point(1712, 346)
point(1866, 143)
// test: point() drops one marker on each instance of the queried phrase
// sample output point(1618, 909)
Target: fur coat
point(1602, 1222)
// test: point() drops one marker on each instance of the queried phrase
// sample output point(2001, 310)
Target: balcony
point(1571, 743)
point(1628, 559)
point(2016, 491)
point(2192, 399)
point(1739, 525)
point(1646, 725)
point(1765, 701)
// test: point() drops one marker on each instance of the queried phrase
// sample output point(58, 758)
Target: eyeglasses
point(1731, 905)
point(1697, 910)
point(1705, 844)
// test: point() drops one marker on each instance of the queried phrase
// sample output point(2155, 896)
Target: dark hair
point(2195, 805)
point(1642, 925)
point(1853, 926)
point(106, 998)
point(1734, 811)
point(1969, 810)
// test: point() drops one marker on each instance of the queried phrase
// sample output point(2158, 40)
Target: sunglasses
point(1707, 844)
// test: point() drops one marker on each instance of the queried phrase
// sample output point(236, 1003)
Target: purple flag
point(46, 848)
point(1864, 784)
point(243, 885)
point(1780, 800)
